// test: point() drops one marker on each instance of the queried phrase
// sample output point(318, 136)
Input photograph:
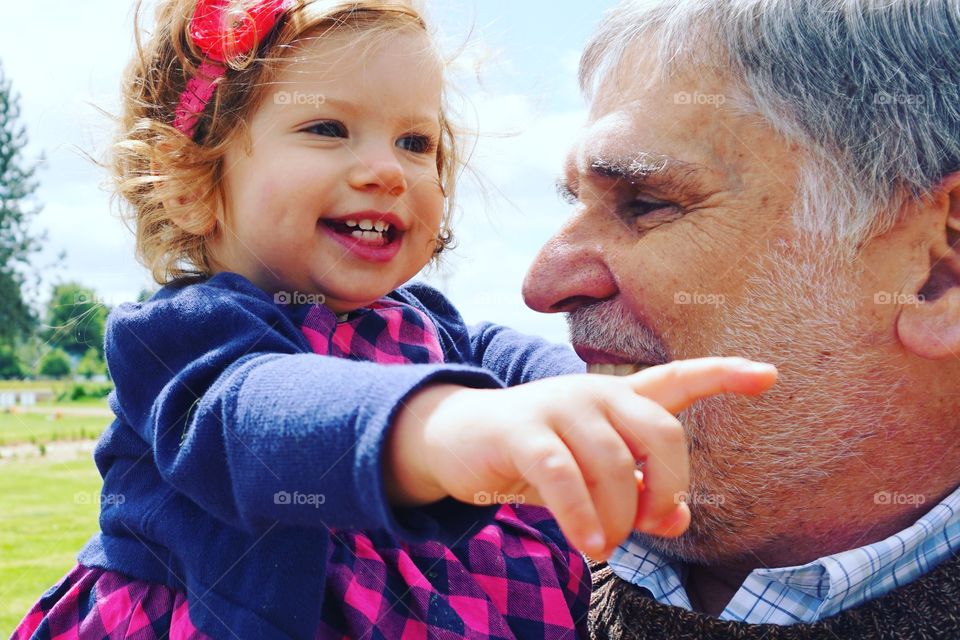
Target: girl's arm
point(253, 429)
point(570, 443)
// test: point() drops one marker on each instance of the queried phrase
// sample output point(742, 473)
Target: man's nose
point(378, 170)
point(569, 272)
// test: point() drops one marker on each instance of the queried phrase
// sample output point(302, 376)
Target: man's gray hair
point(870, 89)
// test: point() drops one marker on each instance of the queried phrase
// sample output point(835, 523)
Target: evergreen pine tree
point(18, 242)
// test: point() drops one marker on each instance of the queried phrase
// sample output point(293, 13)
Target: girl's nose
point(378, 173)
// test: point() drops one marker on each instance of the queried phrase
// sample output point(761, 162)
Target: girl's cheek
point(266, 194)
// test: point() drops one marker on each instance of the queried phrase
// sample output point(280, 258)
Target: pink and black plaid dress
point(517, 578)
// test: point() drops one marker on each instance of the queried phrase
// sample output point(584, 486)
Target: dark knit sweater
point(925, 609)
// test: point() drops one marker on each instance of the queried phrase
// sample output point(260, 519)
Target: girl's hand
point(569, 443)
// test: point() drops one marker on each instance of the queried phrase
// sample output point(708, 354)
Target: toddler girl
point(288, 166)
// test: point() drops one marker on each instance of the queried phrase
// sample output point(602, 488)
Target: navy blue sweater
point(220, 404)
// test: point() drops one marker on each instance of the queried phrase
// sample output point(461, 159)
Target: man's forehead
point(618, 147)
point(639, 107)
point(637, 74)
point(663, 124)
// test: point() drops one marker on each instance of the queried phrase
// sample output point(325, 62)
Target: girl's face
point(338, 193)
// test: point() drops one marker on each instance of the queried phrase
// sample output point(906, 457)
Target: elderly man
point(780, 180)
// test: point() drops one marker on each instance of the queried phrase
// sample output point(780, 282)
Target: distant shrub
point(10, 366)
point(91, 364)
point(55, 364)
point(83, 390)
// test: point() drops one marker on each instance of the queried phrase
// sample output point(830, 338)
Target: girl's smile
point(369, 235)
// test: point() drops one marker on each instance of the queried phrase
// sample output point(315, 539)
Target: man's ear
point(931, 327)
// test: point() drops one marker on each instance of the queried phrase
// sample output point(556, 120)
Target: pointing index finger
point(677, 385)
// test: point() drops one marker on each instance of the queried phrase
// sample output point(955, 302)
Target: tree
point(55, 364)
point(75, 319)
point(18, 242)
point(91, 364)
point(10, 366)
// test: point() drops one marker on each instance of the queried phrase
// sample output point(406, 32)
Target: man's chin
point(688, 550)
point(709, 540)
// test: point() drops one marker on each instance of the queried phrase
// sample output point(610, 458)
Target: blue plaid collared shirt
point(818, 589)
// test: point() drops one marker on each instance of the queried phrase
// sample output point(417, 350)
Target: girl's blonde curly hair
point(154, 165)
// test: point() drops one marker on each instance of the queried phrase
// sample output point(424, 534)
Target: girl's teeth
point(366, 235)
point(368, 225)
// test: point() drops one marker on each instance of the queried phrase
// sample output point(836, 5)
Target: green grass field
point(48, 510)
point(20, 385)
point(37, 428)
point(57, 388)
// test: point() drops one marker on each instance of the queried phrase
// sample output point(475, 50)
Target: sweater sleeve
point(253, 428)
point(513, 357)
point(517, 358)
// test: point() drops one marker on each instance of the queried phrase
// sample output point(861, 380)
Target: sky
point(516, 75)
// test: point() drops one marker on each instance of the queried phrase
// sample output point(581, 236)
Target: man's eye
point(416, 143)
point(328, 129)
point(638, 208)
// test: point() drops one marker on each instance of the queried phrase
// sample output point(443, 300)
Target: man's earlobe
point(930, 326)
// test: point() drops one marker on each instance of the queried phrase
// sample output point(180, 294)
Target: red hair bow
point(223, 30)
point(227, 29)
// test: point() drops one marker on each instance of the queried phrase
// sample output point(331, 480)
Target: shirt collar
point(819, 588)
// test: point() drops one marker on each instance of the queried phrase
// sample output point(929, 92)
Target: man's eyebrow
point(639, 169)
point(652, 169)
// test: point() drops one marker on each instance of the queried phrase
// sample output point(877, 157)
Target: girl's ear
point(191, 213)
point(931, 327)
point(187, 205)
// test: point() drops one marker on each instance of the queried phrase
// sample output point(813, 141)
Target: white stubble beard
point(758, 463)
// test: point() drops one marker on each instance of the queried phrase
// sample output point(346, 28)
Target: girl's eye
point(328, 129)
point(416, 143)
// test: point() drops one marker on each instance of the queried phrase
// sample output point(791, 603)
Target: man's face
point(682, 245)
point(676, 198)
